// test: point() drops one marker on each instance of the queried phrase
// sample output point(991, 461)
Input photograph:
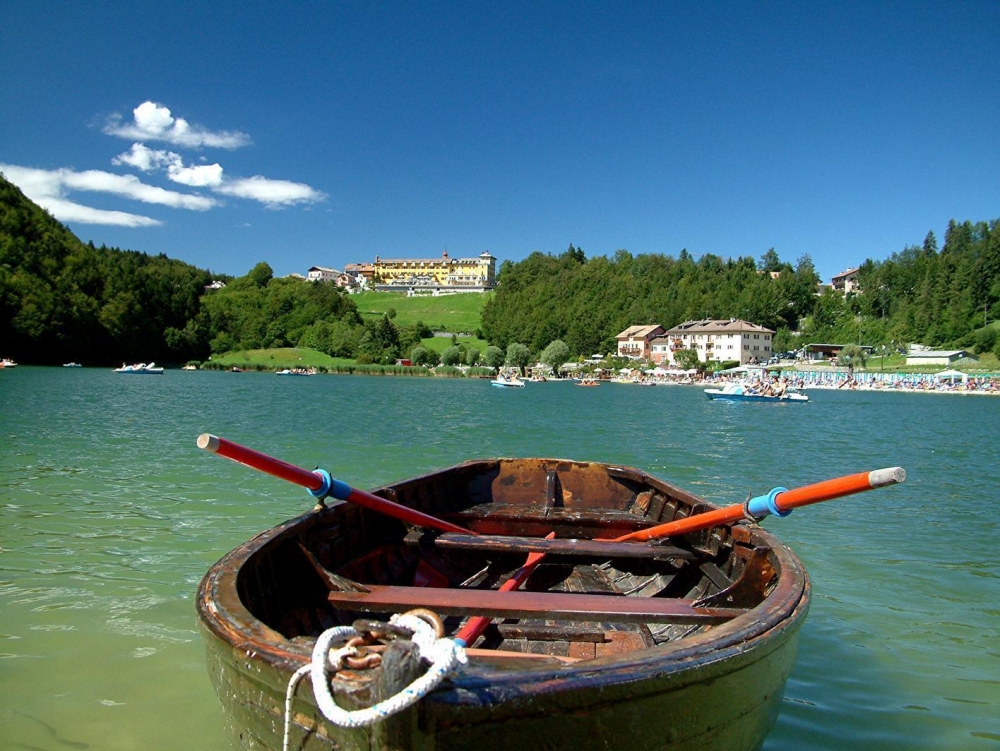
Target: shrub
point(451, 356)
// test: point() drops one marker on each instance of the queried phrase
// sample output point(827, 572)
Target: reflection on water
point(109, 516)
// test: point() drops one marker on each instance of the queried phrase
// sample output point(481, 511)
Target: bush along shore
point(235, 364)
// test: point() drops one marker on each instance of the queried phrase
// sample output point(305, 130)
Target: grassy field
point(278, 359)
point(453, 313)
point(303, 357)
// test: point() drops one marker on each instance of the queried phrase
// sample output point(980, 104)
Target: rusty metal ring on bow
point(381, 630)
point(429, 616)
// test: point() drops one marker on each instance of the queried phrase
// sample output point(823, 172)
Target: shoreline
point(902, 383)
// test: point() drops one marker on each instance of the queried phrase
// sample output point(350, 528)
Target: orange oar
point(779, 502)
point(475, 626)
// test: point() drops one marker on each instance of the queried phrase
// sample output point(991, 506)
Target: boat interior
point(588, 598)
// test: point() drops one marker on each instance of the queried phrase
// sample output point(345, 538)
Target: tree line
point(940, 298)
point(62, 299)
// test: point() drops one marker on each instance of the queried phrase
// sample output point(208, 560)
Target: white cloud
point(46, 188)
point(154, 122)
point(146, 159)
point(200, 176)
point(141, 157)
point(272, 193)
point(132, 187)
point(67, 211)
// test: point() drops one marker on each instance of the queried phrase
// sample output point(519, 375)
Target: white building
point(846, 281)
point(322, 274)
point(938, 357)
point(729, 340)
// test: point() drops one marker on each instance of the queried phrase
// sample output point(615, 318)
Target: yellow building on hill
point(435, 275)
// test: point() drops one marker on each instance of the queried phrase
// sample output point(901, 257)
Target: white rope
point(445, 655)
point(293, 683)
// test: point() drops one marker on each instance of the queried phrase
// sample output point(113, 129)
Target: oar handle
point(314, 482)
point(786, 500)
point(320, 484)
point(780, 502)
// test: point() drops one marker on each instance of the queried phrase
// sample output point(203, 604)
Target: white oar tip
point(889, 476)
point(208, 442)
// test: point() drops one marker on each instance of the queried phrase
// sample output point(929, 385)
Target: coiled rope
point(444, 655)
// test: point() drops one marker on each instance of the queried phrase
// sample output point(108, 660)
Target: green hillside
point(452, 313)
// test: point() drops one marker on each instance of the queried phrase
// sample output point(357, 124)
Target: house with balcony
point(635, 342)
point(846, 281)
point(729, 340)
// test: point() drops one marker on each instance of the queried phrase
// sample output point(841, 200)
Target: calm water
point(109, 515)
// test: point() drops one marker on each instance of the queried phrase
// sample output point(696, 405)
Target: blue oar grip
point(330, 487)
point(323, 490)
point(763, 505)
point(341, 490)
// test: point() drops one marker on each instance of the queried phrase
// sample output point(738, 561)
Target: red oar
point(779, 502)
point(320, 484)
point(475, 626)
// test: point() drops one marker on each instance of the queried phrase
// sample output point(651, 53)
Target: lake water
point(109, 516)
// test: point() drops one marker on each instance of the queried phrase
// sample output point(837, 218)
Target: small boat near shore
point(72, 365)
point(5, 363)
point(735, 392)
point(507, 382)
point(141, 369)
point(680, 644)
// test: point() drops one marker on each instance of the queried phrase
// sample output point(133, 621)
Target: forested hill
point(586, 303)
point(62, 299)
point(920, 294)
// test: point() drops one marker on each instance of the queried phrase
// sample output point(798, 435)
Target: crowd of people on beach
point(779, 383)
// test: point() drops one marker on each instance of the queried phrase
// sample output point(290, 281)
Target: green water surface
point(109, 516)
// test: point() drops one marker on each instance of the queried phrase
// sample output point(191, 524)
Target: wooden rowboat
point(682, 644)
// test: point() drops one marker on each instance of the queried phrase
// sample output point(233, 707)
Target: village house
point(846, 281)
point(635, 342)
point(361, 273)
point(342, 279)
point(730, 340)
point(321, 274)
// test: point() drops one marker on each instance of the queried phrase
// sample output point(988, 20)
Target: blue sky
point(324, 133)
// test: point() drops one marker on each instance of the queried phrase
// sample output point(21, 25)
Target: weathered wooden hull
point(717, 687)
